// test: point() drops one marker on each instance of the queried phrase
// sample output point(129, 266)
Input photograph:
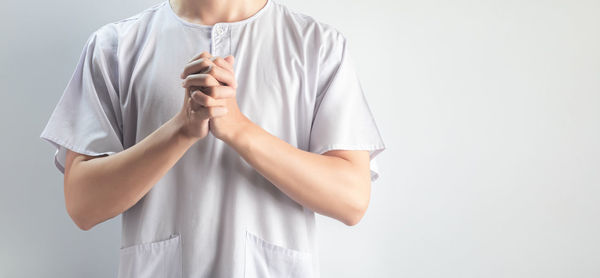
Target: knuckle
point(209, 69)
point(203, 54)
point(219, 61)
point(211, 81)
point(213, 92)
point(200, 55)
point(204, 63)
point(186, 70)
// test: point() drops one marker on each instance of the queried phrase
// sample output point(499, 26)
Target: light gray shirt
point(212, 214)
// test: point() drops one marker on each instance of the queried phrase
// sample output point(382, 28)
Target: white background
point(489, 111)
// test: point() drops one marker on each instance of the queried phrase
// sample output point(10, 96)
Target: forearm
point(101, 188)
point(328, 185)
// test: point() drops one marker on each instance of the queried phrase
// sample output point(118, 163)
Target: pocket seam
point(149, 245)
point(275, 247)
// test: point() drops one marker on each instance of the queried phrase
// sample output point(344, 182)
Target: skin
point(97, 188)
point(209, 12)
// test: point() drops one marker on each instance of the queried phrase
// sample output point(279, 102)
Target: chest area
point(274, 91)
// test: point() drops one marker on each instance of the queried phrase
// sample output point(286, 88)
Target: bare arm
point(98, 188)
point(336, 183)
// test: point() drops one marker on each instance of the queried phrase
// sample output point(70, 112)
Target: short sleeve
point(87, 117)
point(342, 118)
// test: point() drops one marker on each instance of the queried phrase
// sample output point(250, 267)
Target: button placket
point(218, 31)
point(220, 40)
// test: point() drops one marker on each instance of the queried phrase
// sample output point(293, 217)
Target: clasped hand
point(210, 103)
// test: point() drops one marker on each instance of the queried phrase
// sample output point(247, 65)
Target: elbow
point(358, 203)
point(356, 210)
point(353, 218)
point(79, 218)
point(83, 226)
point(77, 211)
point(351, 221)
point(81, 223)
point(77, 207)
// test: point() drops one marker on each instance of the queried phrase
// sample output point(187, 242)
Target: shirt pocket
point(264, 259)
point(152, 260)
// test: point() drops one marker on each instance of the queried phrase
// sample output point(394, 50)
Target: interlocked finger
point(201, 65)
point(222, 75)
point(219, 92)
point(219, 61)
point(207, 101)
point(203, 54)
point(200, 80)
point(209, 112)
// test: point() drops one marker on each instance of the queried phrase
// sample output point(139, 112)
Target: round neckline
point(233, 23)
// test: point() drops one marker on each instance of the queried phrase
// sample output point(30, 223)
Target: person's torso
point(227, 218)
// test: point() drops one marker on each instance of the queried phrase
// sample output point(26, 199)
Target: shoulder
point(314, 32)
point(111, 35)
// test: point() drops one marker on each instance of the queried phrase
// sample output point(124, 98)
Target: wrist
point(178, 123)
point(238, 134)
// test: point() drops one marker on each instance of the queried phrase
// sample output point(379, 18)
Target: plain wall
point(489, 111)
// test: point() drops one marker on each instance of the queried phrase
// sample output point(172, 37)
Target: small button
point(219, 29)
